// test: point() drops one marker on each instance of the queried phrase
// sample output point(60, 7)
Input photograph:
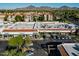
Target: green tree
point(12, 42)
point(16, 41)
point(13, 52)
point(34, 18)
point(23, 18)
point(19, 18)
point(21, 53)
point(28, 40)
point(5, 18)
point(20, 40)
point(41, 18)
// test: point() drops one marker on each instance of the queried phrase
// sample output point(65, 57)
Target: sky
point(19, 5)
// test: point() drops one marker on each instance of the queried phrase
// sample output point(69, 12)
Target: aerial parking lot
point(51, 37)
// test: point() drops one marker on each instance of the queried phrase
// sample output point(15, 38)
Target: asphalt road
point(3, 45)
point(38, 50)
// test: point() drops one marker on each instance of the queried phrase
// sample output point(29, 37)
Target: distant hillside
point(31, 7)
point(67, 7)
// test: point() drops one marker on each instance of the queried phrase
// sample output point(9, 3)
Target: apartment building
point(28, 16)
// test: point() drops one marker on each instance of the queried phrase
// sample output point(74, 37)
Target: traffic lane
point(38, 50)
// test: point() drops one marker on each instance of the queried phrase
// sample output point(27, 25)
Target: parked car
point(30, 52)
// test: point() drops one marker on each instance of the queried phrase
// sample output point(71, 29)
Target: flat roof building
point(69, 49)
point(35, 27)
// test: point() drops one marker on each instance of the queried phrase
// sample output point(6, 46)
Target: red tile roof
point(19, 30)
point(63, 51)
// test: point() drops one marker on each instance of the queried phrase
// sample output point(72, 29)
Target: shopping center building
point(36, 27)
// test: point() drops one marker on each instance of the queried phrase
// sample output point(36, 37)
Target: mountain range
point(31, 7)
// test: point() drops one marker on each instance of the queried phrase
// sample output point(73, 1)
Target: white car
point(30, 53)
